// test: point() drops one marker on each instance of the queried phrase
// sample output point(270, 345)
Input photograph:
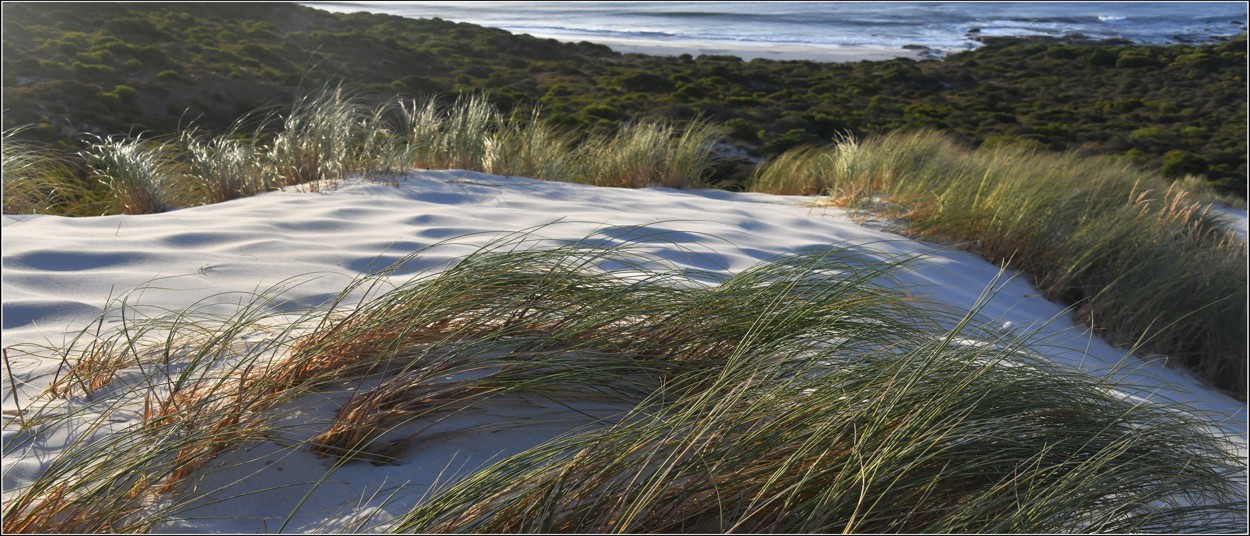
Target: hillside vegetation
point(809, 393)
point(130, 68)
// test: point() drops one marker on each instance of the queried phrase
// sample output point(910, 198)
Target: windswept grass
point(146, 403)
point(317, 141)
point(40, 181)
point(440, 136)
point(1134, 253)
point(802, 171)
point(222, 167)
point(1142, 260)
point(530, 148)
point(651, 154)
point(801, 395)
point(138, 174)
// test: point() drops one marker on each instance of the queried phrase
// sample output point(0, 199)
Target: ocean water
point(940, 26)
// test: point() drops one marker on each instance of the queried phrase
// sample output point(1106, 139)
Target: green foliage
point(138, 174)
point(603, 112)
point(1141, 261)
point(1063, 93)
point(807, 394)
point(1178, 163)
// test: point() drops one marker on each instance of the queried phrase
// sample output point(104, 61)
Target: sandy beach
point(59, 273)
point(749, 51)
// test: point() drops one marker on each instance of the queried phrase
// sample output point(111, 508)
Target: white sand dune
point(59, 273)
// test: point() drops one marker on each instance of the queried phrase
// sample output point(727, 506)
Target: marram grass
point(801, 395)
point(1141, 260)
point(325, 136)
point(138, 174)
point(39, 181)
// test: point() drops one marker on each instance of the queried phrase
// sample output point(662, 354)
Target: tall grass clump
point(529, 148)
point(140, 175)
point(644, 154)
point(934, 438)
point(451, 136)
point(384, 146)
point(327, 135)
point(318, 139)
point(222, 167)
point(802, 171)
point(1157, 266)
point(805, 394)
point(462, 139)
point(1142, 260)
point(38, 180)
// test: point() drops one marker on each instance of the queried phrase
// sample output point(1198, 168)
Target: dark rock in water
point(1068, 39)
point(974, 31)
point(926, 52)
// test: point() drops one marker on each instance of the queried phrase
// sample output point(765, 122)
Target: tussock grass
point(40, 181)
point(137, 173)
point(317, 140)
point(222, 167)
point(451, 136)
point(802, 171)
point(530, 148)
point(801, 395)
point(651, 154)
point(158, 399)
point(1143, 260)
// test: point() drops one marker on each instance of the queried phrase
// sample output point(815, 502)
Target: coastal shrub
point(993, 85)
point(795, 137)
point(602, 111)
point(1178, 163)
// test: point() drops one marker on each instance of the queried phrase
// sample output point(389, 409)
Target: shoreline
point(767, 51)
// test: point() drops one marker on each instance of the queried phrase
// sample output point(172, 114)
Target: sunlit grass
point(650, 154)
point(805, 394)
point(1141, 259)
point(317, 139)
point(38, 180)
point(222, 167)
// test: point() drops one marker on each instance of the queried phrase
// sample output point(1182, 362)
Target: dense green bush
point(1066, 94)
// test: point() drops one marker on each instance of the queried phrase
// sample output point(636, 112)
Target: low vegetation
point(152, 68)
point(1121, 245)
point(781, 399)
point(801, 395)
point(327, 135)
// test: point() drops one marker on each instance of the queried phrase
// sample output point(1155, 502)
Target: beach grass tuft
point(317, 140)
point(138, 174)
point(41, 181)
point(651, 154)
point(223, 167)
